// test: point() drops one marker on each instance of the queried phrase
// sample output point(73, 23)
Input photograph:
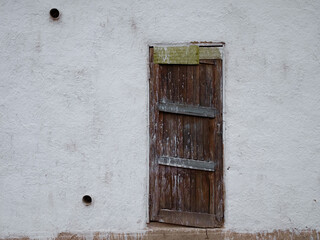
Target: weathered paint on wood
point(187, 110)
point(187, 163)
point(176, 55)
point(182, 136)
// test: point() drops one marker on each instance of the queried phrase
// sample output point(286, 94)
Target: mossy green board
point(176, 55)
point(209, 53)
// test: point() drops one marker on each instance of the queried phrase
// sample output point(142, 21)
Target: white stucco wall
point(74, 111)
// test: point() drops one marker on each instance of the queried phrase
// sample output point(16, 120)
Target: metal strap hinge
point(187, 163)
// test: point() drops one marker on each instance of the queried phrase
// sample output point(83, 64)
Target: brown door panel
point(186, 143)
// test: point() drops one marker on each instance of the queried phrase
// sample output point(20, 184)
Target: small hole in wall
point(54, 13)
point(87, 200)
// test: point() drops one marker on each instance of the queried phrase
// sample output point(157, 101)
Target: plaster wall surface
point(74, 111)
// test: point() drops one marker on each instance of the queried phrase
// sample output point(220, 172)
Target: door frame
point(223, 99)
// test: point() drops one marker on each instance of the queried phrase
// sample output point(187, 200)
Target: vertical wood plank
point(183, 174)
point(154, 187)
point(210, 82)
point(174, 134)
point(196, 102)
point(206, 192)
point(159, 125)
point(179, 137)
point(180, 172)
point(206, 135)
point(202, 98)
point(202, 83)
point(199, 136)
point(211, 134)
point(194, 195)
point(196, 85)
point(167, 170)
point(202, 192)
point(187, 192)
point(162, 185)
point(188, 135)
point(219, 203)
point(211, 193)
point(208, 92)
point(166, 137)
point(167, 83)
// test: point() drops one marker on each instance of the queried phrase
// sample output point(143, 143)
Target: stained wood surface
point(187, 218)
point(173, 135)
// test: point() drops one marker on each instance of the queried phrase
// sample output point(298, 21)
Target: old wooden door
point(186, 158)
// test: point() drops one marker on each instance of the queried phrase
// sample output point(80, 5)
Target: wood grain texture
point(202, 220)
point(219, 190)
point(154, 119)
point(189, 193)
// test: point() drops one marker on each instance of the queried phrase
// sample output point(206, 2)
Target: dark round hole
point(87, 200)
point(54, 13)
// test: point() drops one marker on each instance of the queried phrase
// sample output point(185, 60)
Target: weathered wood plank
point(209, 53)
point(187, 110)
point(219, 203)
point(176, 55)
point(195, 102)
point(205, 198)
point(174, 135)
point(211, 193)
point(180, 126)
point(193, 190)
point(195, 137)
point(165, 188)
point(180, 173)
point(154, 186)
point(187, 163)
point(210, 133)
point(192, 219)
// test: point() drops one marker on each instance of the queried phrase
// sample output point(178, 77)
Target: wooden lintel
point(176, 55)
point(187, 163)
point(187, 110)
point(210, 53)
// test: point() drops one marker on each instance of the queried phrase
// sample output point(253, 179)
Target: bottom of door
point(192, 219)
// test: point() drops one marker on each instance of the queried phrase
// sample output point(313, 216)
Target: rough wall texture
point(74, 115)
